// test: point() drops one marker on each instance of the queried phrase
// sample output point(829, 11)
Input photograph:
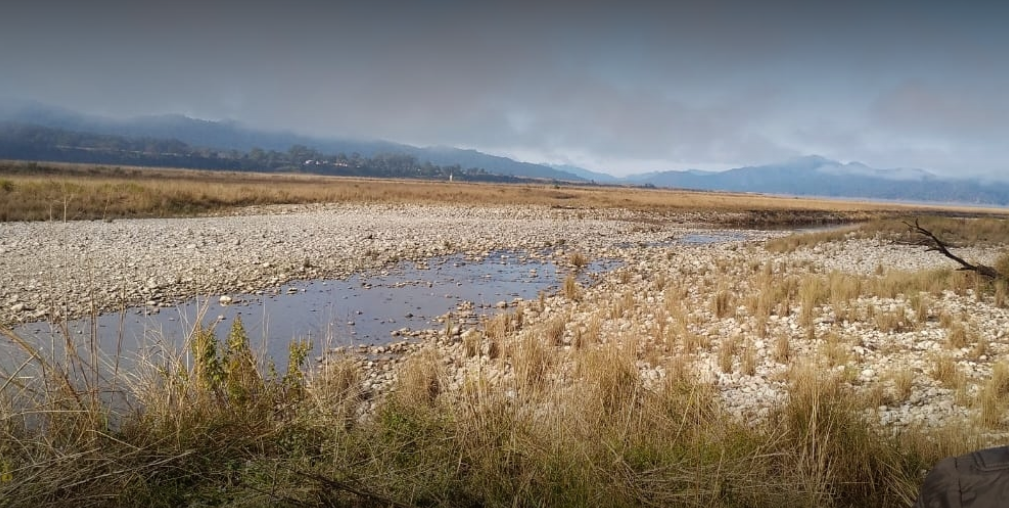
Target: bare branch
point(931, 242)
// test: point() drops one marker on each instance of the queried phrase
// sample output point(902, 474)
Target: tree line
point(32, 142)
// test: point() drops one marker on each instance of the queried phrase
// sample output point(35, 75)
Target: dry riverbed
point(56, 269)
point(683, 309)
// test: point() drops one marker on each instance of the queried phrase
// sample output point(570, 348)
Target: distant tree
point(298, 154)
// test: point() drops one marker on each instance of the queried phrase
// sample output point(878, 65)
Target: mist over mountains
point(817, 176)
point(233, 136)
point(28, 130)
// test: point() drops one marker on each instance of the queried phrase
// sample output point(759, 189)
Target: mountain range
point(807, 176)
point(233, 136)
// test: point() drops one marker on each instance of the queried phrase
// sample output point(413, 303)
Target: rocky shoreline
point(57, 270)
point(66, 269)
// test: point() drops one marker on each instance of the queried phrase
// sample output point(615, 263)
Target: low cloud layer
point(620, 89)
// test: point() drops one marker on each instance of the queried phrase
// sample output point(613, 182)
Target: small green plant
point(243, 381)
point(207, 370)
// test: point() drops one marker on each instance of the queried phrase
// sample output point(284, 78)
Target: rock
point(225, 300)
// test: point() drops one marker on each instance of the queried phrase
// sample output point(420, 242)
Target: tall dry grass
point(981, 227)
point(563, 427)
point(49, 191)
point(78, 433)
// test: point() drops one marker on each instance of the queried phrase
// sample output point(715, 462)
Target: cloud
point(919, 109)
point(674, 84)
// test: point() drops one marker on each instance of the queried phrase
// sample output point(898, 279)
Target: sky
point(621, 87)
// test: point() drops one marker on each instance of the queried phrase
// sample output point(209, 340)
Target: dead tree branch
point(931, 242)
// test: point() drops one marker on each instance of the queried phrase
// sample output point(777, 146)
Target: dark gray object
point(976, 480)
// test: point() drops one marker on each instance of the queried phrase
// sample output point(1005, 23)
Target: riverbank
point(830, 372)
point(59, 270)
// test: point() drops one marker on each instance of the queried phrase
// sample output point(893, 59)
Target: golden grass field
point(209, 425)
point(51, 191)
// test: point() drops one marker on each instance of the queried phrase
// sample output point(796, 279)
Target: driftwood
point(931, 242)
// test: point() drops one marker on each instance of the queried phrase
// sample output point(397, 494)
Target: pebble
point(262, 248)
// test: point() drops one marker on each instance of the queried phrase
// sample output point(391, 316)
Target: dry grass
point(578, 260)
point(981, 227)
point(748, 359)
point(1001, 297)
point(471, 343)
point(421, 381)
point(891, 320)
point(596, 437)
point(944, 369)
point(613, 376)
point(903, 383)
point(593, 331)
point(727, 353)
point(793, 242)
point(571, 289)
point(337, 390)
point(957, 337)
point(812, 293)
point(835, 350)
point(623, 306)
point(532, 360)
point(74, 192)
point(499, 326)
point(554, 331)
point(821, 415)
point(772, 294)
point(722, 304)
point(993, 401)
point(782, 349)
point(980, 350)
point(921, 306)
point(536, 424)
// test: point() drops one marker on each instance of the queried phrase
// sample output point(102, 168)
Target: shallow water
point(690, 239)
point(362, 309)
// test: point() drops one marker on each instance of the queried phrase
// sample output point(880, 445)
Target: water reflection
point(362, 309)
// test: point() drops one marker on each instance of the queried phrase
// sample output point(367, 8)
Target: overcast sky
point(621, 87)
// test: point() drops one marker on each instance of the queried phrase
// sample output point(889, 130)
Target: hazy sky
point(617, 86)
